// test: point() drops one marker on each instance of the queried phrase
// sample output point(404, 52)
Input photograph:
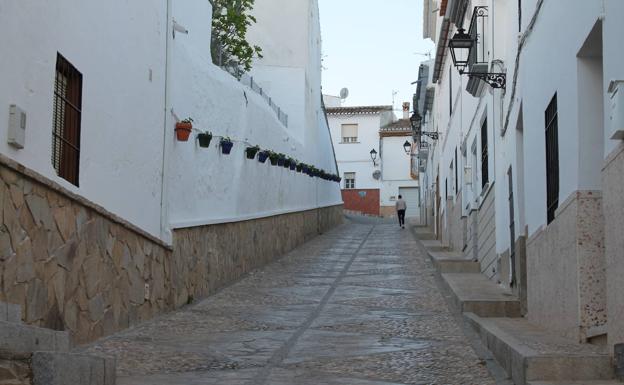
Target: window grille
point(349, 178)
point(552, 159)
point(484, 154)
point(67, 110)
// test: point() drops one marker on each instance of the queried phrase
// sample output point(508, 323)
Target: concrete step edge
point(527, 366)
point(21, 338)
point(54, 368)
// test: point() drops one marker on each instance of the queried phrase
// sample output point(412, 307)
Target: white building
point(372, 159)
point(101, 87)
point(527, 178)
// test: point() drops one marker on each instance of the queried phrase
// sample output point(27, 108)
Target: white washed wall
point(208, 187)
point(115, 45)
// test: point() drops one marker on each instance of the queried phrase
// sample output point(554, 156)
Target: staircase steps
point(474, 293)
point(44, 355)
point(453, 262)
point(534, 356)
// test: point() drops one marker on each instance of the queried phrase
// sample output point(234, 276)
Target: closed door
point(410, 195)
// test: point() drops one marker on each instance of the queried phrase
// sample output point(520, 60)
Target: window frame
point(349, 182)
point(66, 120)
point(551, 132)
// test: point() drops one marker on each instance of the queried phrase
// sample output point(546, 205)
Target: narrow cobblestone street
point(358, 305)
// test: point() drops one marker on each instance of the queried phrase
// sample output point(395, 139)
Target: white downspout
point(165, 232)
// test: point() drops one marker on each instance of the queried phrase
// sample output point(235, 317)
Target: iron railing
point(249, 82)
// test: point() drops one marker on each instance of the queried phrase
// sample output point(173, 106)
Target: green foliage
point(230, 22)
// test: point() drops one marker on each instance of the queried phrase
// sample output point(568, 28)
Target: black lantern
point(460, 45)
point(407, 146)
point(373, 155)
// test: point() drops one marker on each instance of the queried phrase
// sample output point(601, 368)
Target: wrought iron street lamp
point(373, 155)
point(407, 146)
point(462, 47)
point(416, 121)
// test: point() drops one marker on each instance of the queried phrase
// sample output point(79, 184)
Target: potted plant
point(263, 155)
point(312, 171)
point(274, 157)
point(204, 139)
point(299, 166)
point(305, 168)
point(252, 151)
point(226, 145)
point(183, 129)
point(293, 163)
point(281, 159)
point(287, 163)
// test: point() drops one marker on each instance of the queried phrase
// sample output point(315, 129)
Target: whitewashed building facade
point(527, 178)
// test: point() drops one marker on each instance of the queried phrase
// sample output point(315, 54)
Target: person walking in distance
point(400, 208)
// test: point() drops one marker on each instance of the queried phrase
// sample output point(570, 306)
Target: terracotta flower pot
point(183, 131)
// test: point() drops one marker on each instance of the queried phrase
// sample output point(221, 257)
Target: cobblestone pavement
point(358, 306)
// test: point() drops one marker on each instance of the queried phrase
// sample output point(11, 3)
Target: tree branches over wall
point(230, 48)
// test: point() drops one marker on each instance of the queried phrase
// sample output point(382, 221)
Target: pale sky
point(369, 47)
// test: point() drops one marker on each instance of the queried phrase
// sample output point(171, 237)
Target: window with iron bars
point(349, 178)
point(552, 159)
point(484, 155)
point(67, 111)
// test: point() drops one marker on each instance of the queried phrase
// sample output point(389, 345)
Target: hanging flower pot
point(305, 168)
point(226, 145)
point(262, 156)
point(281, 160)
point(183, 129)
point(204, 139)
point(274, 157)
point(293, 164)
point(299, 167)
point(252, 151)
point(287, 163)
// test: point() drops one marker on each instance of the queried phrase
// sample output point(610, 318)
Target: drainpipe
point(165, 232)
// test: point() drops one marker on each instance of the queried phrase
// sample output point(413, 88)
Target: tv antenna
point(427, 54)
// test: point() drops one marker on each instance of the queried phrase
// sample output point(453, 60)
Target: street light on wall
point(373, 155)
point(463, 46)
point(407, 146)
point(460, 46)
point(416, 121)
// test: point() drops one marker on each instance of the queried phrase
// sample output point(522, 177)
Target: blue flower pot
point(262, 156)
point(226, 147)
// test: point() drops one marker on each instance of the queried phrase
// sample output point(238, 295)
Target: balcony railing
point(249, 82)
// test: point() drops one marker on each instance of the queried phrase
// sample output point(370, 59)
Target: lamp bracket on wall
point(494, 79)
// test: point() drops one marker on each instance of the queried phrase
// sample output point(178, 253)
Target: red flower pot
point(183, 131)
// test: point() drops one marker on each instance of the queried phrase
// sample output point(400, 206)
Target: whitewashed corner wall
point(120, 51)
point(206, 187)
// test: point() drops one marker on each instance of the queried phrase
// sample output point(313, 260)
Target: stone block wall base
point(207, 258)
point(566, 278)
point(72, 266)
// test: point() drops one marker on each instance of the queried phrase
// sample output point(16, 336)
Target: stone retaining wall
point(73, 266)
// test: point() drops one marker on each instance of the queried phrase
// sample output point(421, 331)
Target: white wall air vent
point(616, 89)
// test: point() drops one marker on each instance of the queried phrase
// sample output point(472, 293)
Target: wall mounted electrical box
point(17, 127)
point(616, 91)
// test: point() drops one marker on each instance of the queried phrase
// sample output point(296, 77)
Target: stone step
point(10, 312)
point(52, 368)
point(434, 245)
point(530, 354)
point(453, 262)
point(474, 293)
point(21, 338)
point(423, 233)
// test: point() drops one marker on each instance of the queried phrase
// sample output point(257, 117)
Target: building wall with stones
point(73, 266)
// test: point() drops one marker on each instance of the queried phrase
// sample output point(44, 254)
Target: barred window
point(349, 178)
point(485, 175)
point(552, 159)
point(67, 110)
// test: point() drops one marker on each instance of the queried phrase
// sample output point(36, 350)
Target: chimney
point(406, 107)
